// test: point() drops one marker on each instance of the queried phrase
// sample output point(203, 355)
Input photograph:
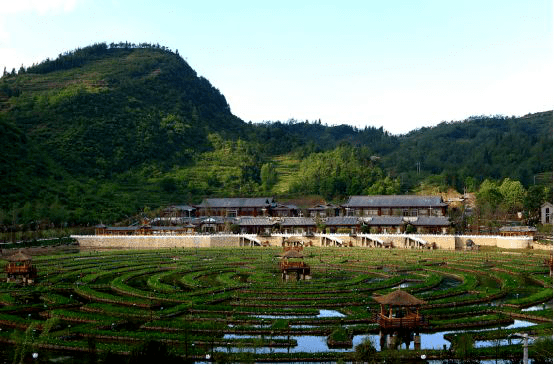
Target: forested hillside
point(480, 147)
point(103, 132)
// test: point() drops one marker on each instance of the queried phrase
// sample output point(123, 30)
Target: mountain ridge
point(104, 131)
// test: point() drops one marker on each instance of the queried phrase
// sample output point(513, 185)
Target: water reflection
point(314, 344)
point(538, 307)
point(311, 344)
point(323, 313)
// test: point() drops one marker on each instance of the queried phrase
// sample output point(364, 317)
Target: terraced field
point(230, 305)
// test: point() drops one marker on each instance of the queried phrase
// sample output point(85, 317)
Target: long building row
point(378, 214)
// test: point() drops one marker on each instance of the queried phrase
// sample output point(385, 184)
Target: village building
point(343, 225)
point(236, 207)
point(435, 225)
point(256, 225)
point(298, 225)
point(397, 224)
point(517, 231)
point(285, 210)
point(324, 210)
point(179, 211)
point(215, 224)
point(144, 230)
point(546, 213)
point(394, 205)
point(390, 214)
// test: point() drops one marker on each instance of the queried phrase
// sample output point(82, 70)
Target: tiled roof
point(297, 221)
point(342, 221)
point(323, 207)
point(384, 221)
point(181, 207)
point(167, 228)
point(132, 228)
point(431, 221)
point(212, 220)
point(285, 207)
point(394, 201)
point(236, 202)
point(247, 221)
point(397, 221)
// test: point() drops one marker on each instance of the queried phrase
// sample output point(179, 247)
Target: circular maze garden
point(231, 305)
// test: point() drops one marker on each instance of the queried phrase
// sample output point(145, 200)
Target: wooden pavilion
point(405, 308)
point(295, 241)
point(20, 269)
point(399, 315)
point(292, 263)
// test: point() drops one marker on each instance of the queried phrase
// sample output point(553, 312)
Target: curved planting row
point(233, 304)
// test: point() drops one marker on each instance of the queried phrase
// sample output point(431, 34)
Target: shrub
point(365, 351)
point(541, 350)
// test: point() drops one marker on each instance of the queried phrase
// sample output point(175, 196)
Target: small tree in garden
point(365, 351)
point(541, 350)
point(152, 352)
point(463, 347)
point(410, 229)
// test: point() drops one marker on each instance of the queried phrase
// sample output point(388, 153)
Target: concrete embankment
point(445, 242)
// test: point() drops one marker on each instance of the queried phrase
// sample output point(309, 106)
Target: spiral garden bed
point(231, 305)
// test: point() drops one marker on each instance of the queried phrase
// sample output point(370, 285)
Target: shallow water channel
point(314, 343)
point(538, 307)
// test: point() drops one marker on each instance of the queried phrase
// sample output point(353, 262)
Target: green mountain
point(482, 147)
point(107, 130)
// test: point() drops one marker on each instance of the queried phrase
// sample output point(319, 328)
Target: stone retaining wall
point(154, 242)
point(445, 242)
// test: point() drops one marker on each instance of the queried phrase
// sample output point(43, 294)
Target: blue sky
point(398, 64)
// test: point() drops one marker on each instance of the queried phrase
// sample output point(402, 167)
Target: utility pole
point(525, 348)
point(525, 337)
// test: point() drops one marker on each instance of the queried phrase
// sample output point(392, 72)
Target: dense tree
point(268, 176)
point(101, 132)
point(513, 195)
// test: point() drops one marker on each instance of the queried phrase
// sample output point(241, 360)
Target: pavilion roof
point(293, 254)
point(293, 239)
point(399, 297)
point(20, 256)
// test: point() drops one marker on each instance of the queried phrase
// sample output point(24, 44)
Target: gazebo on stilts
point(399, 318)
point(20, 269)
point(292, 263)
